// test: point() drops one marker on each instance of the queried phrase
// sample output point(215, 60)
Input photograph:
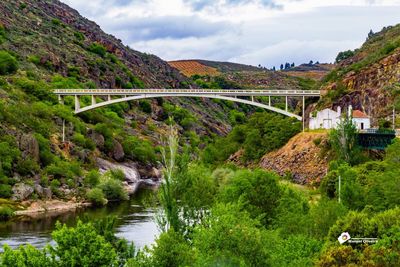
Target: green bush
point(8, 63)
point(141, 150)
point(112, 188)
point(258, 190)
point(145, 106)
point(92, 178)
point(6, 213)
point(5, 191)
point(98, 49)
point(82, 246)
point(96, 196)
point(27, 166)
point(34, 59)
point(80, 36)
point(84, 142)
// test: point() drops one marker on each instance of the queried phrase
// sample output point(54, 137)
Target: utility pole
point(63, 131)
point(339, 187)
point(304, 115)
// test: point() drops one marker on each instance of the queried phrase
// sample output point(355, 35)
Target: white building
point(361, 120)
point(329, 119)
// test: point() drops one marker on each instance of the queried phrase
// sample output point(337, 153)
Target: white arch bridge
point(112, 96)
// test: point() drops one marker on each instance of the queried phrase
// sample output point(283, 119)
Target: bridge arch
point(146, 96)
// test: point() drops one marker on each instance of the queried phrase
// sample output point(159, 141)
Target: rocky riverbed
point(135, 176)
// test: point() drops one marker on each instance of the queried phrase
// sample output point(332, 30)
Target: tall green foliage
point(344, 141)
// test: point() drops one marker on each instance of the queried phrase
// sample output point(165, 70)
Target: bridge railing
point(192, 91)
point(377, 131)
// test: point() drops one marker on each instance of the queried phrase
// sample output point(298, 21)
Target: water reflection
point(135, 223)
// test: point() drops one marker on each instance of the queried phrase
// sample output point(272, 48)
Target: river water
point(135, 222)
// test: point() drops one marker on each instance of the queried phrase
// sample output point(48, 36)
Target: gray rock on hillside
point(21, 192)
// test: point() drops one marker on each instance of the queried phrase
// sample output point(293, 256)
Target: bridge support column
point(77, 103)
point(63, 131)
point(60, 100)
point(286, 104)
point(109, 98)
point(269, 100)
point(303, 114)
point(252, 98)
point(93, 100)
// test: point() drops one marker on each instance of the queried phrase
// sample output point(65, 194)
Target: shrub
point(92, 178)
point(118, 174)
point(34, 59)
point(5, 191)
point(80, 36)
point(22, 6)
point(82, 246)
point(258, 190)
point(112, 189)
point(56, 22)
point(27, 166)
point(137, 149)
point(6, 213)
point(8, 63)
point(96, 196)
point(80, 140)
point(97, 49)
point(145, 106)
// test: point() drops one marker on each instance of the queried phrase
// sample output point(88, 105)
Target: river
point(135, 223)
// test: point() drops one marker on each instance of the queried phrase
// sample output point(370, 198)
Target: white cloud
point(266, 32)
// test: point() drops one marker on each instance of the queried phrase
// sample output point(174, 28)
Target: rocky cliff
point(303, 159)
point(367, 78)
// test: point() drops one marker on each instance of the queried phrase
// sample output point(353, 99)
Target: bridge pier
point(77, 103)
point(286, 103)
point(303, 113)
point(93, 100)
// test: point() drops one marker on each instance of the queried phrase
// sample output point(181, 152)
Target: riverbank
point(50, 206)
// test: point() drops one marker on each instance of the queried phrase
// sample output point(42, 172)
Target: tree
point(169, 217)
point(370, 34)
point(292, 66)
point(281, 67)
point(344, 141)
point(258, 191)
point(273, 68)
point(82, 246)
point(287, 66)
point(344, 55)
point(311, 62)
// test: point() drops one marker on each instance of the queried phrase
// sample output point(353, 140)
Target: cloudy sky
point(266, 32)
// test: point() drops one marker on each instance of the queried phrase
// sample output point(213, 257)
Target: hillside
point(310, 71)
point(302, 160)
point(243, 76)
point(193, 67)
point(46, 45)
point(367, 78)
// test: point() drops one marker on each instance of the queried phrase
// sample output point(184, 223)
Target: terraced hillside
point(192, 67)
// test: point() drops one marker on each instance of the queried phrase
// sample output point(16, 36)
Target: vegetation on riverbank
point(232, 217)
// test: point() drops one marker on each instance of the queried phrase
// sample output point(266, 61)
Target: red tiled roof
point(359, 114)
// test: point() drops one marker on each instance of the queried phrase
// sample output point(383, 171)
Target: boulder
point(117, 152)
point(47, 193)
point(128, 168)
point(29, 147)
point(38, 190)
point(97, 138)
point(21, 192)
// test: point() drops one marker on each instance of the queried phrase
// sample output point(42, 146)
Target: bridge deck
point(178, 92)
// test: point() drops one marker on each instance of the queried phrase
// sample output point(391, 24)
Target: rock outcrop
point(302, 157)
point(21, 192)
